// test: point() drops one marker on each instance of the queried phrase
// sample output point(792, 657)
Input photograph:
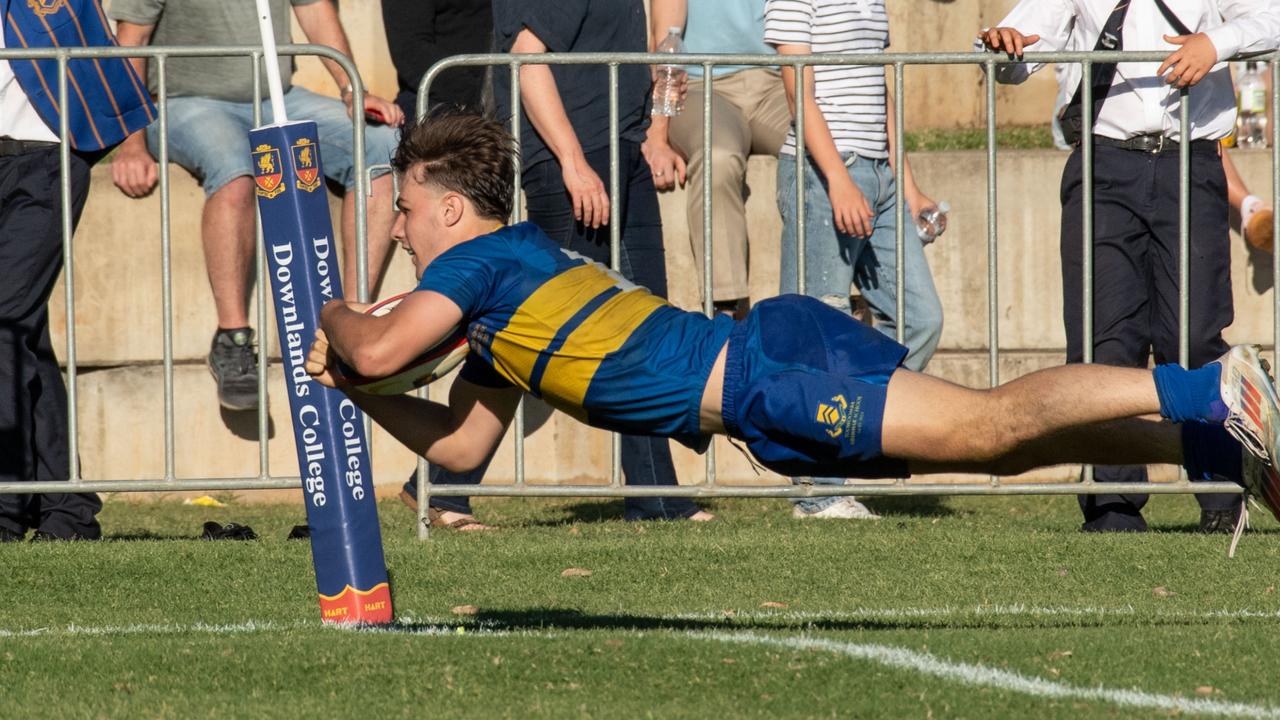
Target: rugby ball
point(428, 367)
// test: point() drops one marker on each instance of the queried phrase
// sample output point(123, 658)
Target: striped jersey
point(574, 333)
point(851, 97)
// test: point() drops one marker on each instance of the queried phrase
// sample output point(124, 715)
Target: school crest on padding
point(306, 164)
point(44, 8)
point(267, 173)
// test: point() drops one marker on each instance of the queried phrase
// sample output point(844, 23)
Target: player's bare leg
point(227, 231)
point(381, 216)
point(929, 420)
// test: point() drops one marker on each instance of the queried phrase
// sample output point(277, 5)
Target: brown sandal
point(436, 518)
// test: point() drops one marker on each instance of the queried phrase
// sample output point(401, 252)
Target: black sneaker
point(1219, 522)
point(233, 361)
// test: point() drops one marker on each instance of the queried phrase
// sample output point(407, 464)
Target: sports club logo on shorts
point(306, 164)
point(832, 415)
point(45, 8)
point(266, 171)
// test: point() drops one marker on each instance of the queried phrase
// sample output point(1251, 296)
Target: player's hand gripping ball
point(428, 367)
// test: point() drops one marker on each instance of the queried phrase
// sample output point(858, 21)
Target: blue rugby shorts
point(805, 388)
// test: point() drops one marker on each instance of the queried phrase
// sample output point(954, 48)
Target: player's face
point(420, 223)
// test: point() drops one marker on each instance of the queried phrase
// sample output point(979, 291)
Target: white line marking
point(978, 675)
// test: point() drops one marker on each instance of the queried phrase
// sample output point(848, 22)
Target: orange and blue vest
point(576, 334)
point(106, 101)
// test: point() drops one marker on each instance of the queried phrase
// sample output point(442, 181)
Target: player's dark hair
point(464, 152)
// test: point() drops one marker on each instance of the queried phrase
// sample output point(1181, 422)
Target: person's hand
point(382, 109)
point(1007, 40)
point(133, 170)
point(321, 363)
point(1187, 65)
point(590, 199)
point(666, 164)
point(917, 203)
point(849, 207)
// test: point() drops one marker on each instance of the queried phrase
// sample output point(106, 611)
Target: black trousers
point(33, 398)
point(1135, 281)
point(646, 460)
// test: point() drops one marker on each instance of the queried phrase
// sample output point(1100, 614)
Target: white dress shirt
point(18, 117)
point(1140, 102)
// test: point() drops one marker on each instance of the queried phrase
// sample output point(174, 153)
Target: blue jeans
point(210, 137)
point(834, 260)
point(646, 460)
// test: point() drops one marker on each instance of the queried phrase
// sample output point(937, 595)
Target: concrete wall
point(119, 320)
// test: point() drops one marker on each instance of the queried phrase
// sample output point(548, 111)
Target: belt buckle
point(1159, 144)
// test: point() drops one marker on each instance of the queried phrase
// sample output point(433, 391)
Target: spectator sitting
point(210, 113)
point(749, 114)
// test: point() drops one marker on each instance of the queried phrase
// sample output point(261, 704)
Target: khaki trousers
point(749, 115)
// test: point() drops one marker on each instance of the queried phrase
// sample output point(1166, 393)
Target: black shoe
point(7, 535)
point(299, 532)
point(233, 362)
point(46, 536)
point(1115, 522)
point(230, 531)
point(1219, 522)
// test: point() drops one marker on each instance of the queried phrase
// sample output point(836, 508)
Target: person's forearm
point(546, 112)
point(658, 126)
point(427, 428)
point(133, 35)
point(817, 134)
point(320, 23)
point(909, 188)
point(663, 15)
point(352, 337)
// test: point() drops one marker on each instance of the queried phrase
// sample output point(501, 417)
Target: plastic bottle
point(667, 96)
point(932, 222)
point(1251, 121)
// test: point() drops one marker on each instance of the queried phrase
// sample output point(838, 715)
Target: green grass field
point(945, 608)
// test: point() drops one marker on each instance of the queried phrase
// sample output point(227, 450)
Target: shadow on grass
point(550, 620)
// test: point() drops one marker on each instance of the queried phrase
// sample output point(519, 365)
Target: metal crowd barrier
point(898, 61)
point(709, 487)
point(160, 55)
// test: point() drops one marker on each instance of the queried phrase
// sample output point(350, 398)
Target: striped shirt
point(851, 97)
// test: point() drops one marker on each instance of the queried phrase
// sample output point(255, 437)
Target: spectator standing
point(421, 33)
point(850, 195)
point(565, 152)
point(1136, 139)
point(749, 115)
point(109, 103)
point(210, 113)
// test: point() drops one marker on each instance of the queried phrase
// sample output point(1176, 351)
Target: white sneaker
point(1253, 410)
point(846, 508)
point(1261, 482)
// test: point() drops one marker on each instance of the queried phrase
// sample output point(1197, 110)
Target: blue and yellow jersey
point(579, 336)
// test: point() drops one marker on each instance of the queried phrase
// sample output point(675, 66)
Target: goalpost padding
point(333, 451)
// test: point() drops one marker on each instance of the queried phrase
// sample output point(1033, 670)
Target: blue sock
point(1190, 395)
point(1209, 451)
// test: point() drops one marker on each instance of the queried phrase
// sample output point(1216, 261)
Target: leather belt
point(9, 146)
point(1152, 143)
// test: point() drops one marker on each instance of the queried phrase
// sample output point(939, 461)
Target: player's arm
point(457, 436)
point(133, 170)
point(852, 214)
point(320, 23)
point(379, 346)
point(542, 102)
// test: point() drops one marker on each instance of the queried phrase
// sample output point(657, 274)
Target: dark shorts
point(805, 387)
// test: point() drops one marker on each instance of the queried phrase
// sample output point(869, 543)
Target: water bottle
point(1251, 122)
point(932, 222)
point(667, 98)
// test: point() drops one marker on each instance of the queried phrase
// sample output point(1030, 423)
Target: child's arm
point(379, 346)
point(852, 213)
point(916, 200)
point(457, 437)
